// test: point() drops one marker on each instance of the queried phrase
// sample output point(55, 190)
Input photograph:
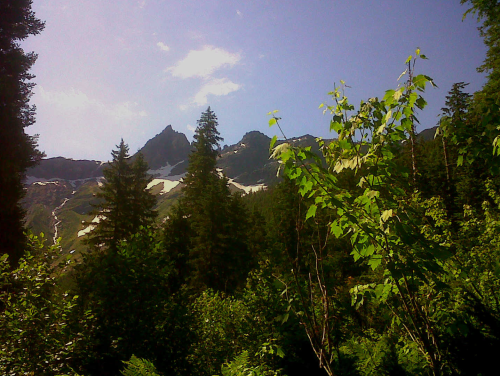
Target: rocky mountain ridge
point(60, 191)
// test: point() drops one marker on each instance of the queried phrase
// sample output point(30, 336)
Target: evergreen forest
point(378, 256)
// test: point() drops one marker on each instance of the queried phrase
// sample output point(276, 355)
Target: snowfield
point(168, 185)
point(89, 228)
point(164, 172)
point(248, 188)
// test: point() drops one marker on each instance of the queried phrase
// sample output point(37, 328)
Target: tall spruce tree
point(17, 149)
point(125, 204)
point(488, 11)
point(218, 255)
point(453, 125)
point(202, 170)
point(143, 201)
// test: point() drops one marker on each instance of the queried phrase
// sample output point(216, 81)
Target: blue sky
point(109, 69)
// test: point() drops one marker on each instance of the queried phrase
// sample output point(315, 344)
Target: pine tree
point(218, 254)
point(125, 204)
point(17, 149)
point(452, 123)
point(202, 170)
point(488, 11)
point(143, 201)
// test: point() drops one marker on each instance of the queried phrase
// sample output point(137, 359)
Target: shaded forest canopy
point(380, 256)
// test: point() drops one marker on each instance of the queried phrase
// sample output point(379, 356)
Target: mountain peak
point(167, 147)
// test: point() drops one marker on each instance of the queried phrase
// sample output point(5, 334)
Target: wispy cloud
point(125, 111)
point(217, 87)
point(71, 100)
point(163, 46)
point(191, 128)
point(239, 13)
point(83, 124)
point(76, 102)
point(141, 3)
point(203, 63)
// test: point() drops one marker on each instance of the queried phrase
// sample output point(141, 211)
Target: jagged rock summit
point(167, 148)
point(247, 162)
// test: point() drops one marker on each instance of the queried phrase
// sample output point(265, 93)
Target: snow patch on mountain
point(79, 182)
point(168, 185)
point(164, 172)
point(34, 180)
point(245, 188)
point(89, 228)
point(162, 176)
point(46, 182)
point(74, 183)
point(248, 188)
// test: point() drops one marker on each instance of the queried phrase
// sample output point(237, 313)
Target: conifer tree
point(17, 149)
point(202, 170)
point(143, 201)
point(488, 12)
point(126, 204)
point(218, 253)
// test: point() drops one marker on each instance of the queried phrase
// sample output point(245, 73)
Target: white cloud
point(191, 128)
point(76, 123)
point(72, 99)
point(203, 63)
point(217, 87)
point(77, 102)
point(125, 111)
point(141, 3)
point(239, 13)
point(163, 46)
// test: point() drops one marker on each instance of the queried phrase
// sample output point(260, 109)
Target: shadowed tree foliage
point(126, 205)
point(213, 251)
point(488, 11)
point(17, 149)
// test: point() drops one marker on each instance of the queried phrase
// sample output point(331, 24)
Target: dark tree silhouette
point(125, 204)
point(213, 252)
point(17, 149)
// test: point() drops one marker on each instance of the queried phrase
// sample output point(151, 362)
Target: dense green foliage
point(488, 12)
point(426, 299)
point(381, 256)
point(207, 229)
point(126, 205)
point(17, 149)
point(37, 336)
point(139, 367)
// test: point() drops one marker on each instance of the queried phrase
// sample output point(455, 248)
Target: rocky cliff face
point(247, 162)
point(168, 147)
point(66, 169)
point(60, 191)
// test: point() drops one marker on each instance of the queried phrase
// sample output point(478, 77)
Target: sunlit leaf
point(311, 212)
point(386, 214)
point(273, 141)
